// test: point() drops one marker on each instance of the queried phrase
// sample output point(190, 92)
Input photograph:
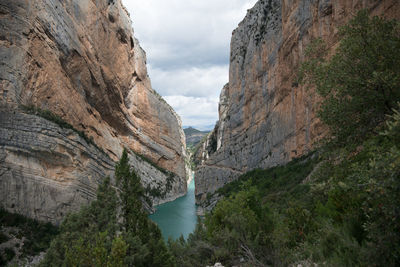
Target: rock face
point(265, 118)
point(80, 60)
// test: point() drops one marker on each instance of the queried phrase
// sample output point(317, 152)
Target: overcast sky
point(187, 45)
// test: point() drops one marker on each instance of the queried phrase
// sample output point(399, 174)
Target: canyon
point(266, 118)
point(278, 188)
point(80, 63)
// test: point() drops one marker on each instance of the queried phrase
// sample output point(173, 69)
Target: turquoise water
point(177, 217)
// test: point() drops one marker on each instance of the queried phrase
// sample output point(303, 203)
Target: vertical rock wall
point(265, 118)
point(80, 60)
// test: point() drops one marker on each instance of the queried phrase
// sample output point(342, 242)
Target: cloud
point(187, 43)
point(193, 81)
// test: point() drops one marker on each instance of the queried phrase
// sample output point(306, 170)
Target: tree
point(131, 193)
point(360, 83)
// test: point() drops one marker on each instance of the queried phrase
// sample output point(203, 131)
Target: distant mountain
point(194, 136)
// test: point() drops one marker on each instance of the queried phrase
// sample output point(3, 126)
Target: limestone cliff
point(265, 118)
point(80, 60)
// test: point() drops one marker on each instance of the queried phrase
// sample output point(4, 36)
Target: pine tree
point(131, 194)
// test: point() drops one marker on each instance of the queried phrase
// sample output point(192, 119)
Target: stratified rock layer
point(265, 117)
point(80, 60)
point(46, 171)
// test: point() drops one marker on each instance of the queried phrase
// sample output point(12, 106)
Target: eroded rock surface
point(265, 117)
point(80, 60)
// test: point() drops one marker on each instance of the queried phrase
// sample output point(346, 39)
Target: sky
point(187, 43)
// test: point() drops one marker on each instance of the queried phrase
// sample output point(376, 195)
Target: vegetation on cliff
point(340, 205)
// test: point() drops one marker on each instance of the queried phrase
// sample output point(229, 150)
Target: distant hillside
point(193, 136)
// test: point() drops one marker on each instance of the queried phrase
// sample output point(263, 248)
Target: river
point(178, 217)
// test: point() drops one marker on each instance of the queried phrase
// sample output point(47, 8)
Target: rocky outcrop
point(265, 117)
point(80, 60)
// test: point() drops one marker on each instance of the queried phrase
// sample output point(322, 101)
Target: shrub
point(360, 83)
